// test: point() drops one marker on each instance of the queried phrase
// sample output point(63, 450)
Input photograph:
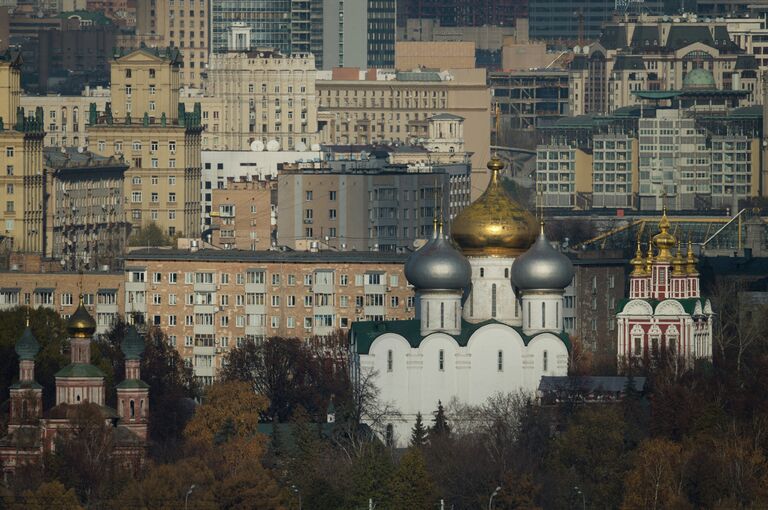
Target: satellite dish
point(577, 49)
point(363, 155)
point(273, 146)
point(315, 147)
point(301, 146)
point(81, 149)
point(257, 146)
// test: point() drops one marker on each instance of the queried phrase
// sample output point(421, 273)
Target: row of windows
point(441, 361)
point(259, 299)
point(259, 277)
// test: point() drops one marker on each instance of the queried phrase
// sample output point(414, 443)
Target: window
point(136, 197)
point(308, 196)
point(441, 360)
point(66, 299)
point(482, 272)
point(275, 301)
point(157, 277)
point(332, 195)
point(543, 315)
point(545, 361)
point(275, 279)
point(500, 361)
point(390, 361)
point(493, 300)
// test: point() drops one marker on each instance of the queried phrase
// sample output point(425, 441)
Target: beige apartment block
point(158, 138)
point(371, 107)
point(66, 117)
point(21, 164)
point(244, 214)
point(182, 24)
point(411, 55)
point(259, 95)
point(210, 301)
point(103, 293)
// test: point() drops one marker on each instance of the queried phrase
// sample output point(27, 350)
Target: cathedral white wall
point(439, 311)
point(415, 381)
point(542, 312)
point(479, 306)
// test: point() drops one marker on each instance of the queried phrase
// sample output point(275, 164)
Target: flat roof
point(326, 256)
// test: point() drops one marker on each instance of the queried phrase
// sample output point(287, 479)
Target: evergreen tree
point(440, 428)
point(418, 433)
point(411, 485)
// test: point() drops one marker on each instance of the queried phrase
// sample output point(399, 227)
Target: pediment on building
point(637, 307)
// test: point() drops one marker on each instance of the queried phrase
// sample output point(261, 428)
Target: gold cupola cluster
point(683, 263)
point(81, 323)
point(494, 225)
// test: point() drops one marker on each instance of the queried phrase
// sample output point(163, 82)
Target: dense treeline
point(696, 438)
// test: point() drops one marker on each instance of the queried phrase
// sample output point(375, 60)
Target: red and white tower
point(133, 393)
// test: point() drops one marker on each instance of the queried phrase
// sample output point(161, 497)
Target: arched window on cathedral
point(390, 435)
point(493, 300)
point(442, 315)
point(517, 307)
point(471, 301)
point(545, 361)
point(557, 315)
point(141, 408)
point(456, 315)
point(427, 305)
point(506, 272)
point(482, 272)
point(441, 360)
point(637, 340)
point(390, 361)
point(500, 361)
point(543, 315)
point(132, 409)
point(529, 314)
point(672, 338)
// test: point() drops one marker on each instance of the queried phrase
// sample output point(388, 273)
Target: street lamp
point(583, 497)
point(186, 498)
point(490, 500)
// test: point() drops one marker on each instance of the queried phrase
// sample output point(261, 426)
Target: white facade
point(491, 295)
point(495, 358)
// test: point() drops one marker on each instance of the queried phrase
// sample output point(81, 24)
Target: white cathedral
point(489, 315)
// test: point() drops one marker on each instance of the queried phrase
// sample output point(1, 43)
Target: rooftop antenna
point(498, 128)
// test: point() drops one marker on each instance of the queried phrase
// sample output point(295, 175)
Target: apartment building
point(695, 152)
point(103, 293)
point(21, 162)
point(66, 117)
point(358, 34)
point(158, 138)
point(183, 24)
point(221, 166)
point(384, 209)
point(377, 106)
point(656, 54)
point(261, 96)
point(526, 98)
point(209, 301)
point(86, 225)
point(244, 214)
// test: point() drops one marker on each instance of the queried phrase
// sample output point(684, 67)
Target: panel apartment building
point(209, 301)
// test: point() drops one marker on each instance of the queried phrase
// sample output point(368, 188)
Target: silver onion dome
point(438, 266)
point(542, 267)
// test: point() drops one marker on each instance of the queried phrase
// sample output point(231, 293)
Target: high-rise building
point(358, 34)
point(274, 24)
point(150, 128)
point(462, 13)
point(180, 24)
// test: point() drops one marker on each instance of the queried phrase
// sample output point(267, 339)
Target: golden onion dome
point(678, 262)
point(638, 263)
point(664, 241)
point(494, 225)
point(81, 324)
point(649, 258)
point(690, 266)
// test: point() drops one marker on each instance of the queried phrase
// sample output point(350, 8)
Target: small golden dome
point(649, 258)
point(81, 324)
point(678, 262)
point(638, 263)
point(664, 241)
point(690, 266)
point(494, 225)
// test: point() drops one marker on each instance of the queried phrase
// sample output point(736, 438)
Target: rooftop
point(73, 158)
point(289, 257)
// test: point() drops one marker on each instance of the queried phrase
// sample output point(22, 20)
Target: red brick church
point(32, 431)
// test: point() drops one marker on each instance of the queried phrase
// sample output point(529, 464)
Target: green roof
point(80, 370)
point(26, 385)
point(133, 343)
point(27, 346)
point(689, 304)
point(132, 384)
point(367, 331)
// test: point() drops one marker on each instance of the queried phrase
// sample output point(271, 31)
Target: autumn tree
point(149, 236)
point(656, 477)
point(225, 403)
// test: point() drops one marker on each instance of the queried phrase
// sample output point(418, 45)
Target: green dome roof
point(27, 346)
point(133, 343)
point(699, 79)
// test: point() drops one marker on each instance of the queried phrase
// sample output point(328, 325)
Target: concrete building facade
point(358, 34)
point(212, 300)
point(244, 214)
